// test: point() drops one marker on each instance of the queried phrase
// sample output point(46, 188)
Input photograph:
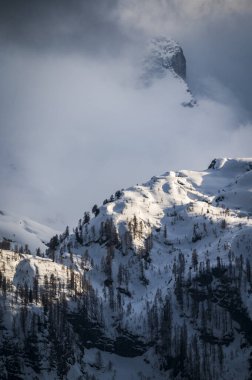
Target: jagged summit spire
point(163, 54)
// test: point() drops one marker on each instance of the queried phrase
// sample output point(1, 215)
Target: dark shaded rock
point(124, 291)
point(163, 54)
point(212, 164)
point(108, 282)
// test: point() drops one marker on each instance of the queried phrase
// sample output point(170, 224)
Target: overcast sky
point(75, 125)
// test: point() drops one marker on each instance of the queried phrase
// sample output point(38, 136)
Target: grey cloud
point(74, 127)
point(222, 50)
point(77, 132)
point(61, 25)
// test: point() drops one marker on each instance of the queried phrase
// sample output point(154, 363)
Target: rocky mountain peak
point(163, 54)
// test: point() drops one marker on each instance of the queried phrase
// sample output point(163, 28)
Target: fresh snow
point(23, 230)
point(215, 204)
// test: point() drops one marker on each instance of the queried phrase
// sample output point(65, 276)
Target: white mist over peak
point(81, 127)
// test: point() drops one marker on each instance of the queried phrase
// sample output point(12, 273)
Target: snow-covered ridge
point(233, 165)
point(226, 183)
point(22, 230)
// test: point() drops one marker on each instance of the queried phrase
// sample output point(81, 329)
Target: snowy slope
point(159, 282)
point(227, 185)
point(23, 230)
point(22, 269)
point(158, 226)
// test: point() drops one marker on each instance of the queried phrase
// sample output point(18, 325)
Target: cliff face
point(163, 54)
point(178, 63)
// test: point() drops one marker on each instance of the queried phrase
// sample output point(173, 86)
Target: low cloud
point(74, 125)
point(78, 130)
point(61, 26)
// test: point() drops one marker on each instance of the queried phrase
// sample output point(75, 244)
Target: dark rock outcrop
point(163, 54)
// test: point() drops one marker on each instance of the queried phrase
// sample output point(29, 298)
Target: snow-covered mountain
point(156, 285)
point(20, 231)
